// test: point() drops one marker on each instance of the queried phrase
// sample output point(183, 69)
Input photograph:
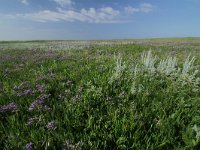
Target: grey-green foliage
point(119, 69)
point(148, 61)
point(151, 66)
point(167, 66)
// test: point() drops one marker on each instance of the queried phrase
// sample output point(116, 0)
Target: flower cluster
point(29, 146)
point(8, 108)
point(51, 125)
point(26, 92)
point(33, 120)
point(38, 102)
point(24, 89)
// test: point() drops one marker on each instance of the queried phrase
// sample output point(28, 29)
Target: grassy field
point(119, 94)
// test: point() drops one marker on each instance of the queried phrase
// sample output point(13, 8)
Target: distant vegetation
point(117, 94)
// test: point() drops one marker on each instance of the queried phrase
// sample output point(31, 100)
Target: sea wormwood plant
point(168, 66)
point(119, 69)
point(152, 67)
point(148, 61)
point(188, 65)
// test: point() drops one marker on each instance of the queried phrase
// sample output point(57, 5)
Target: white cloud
point(24, 2)
point(110, 11)
point(92, 15)
point(63, 3)
point(131, 10)
point(144, 7)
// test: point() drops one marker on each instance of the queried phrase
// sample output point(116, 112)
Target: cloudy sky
point(98, 19)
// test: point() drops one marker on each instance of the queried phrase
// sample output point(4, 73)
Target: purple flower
point(24, 89)
point(29, 146)
point(17, 88)
point(25, 93)
point(38, 102)
point(51, 125)
point(32, 120)
point(8, 108)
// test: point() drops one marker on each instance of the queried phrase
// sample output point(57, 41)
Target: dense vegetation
point(100, 94)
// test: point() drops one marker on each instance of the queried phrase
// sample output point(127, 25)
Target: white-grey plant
point(151, 67)
point(134, 69)
point(188, 65)
point(148, 61)
point(189, 74)
point(167, 66)
point(119, 69)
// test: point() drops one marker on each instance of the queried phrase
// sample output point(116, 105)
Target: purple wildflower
point(51, 125)
point(8, 108)
point(25, 93)
point(29, 146)
point(38, 102)
point(32, 120)
point(17, 88)
point(24, 89)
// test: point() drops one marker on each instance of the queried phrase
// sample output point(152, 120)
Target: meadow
point(117, 94)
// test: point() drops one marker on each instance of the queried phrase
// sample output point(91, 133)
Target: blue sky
point(98, 19)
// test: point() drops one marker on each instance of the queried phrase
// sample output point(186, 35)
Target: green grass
point(102, 96)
